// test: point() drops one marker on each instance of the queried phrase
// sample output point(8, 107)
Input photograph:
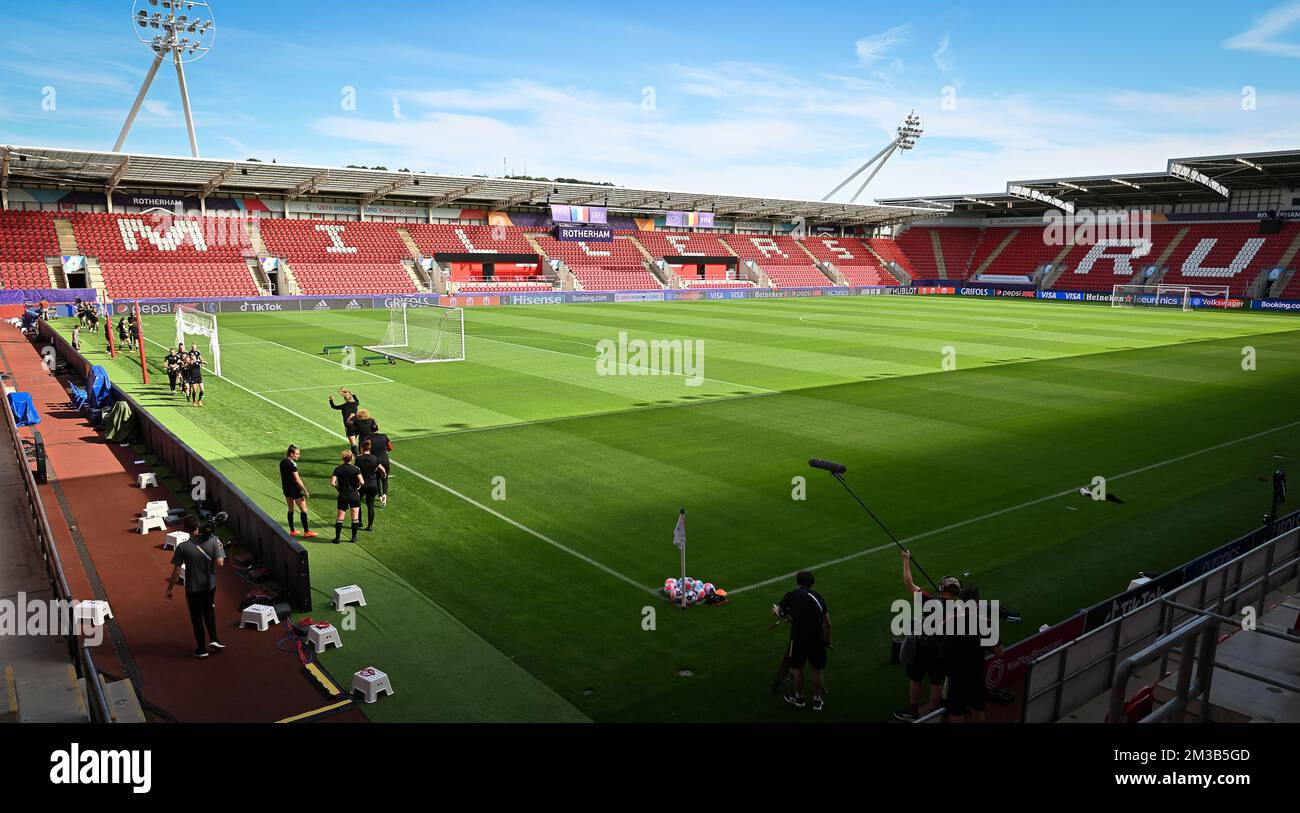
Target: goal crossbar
point(422, 333)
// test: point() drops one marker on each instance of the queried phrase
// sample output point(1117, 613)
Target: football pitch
point(533, 498)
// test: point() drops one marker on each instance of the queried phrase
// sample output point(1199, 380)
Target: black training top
point(348, 408)
point(364, 428)
point(288, 469)
point(346, 476)
point(379, 448)
point(805, 609)
point(369, 464)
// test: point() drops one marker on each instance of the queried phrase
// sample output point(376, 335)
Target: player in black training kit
point(295, 491)
point(349, 410)
point(172, 362)
point(379, 447)
point(195, 378)
point(348, 481)
point(810, 636)
point(371, 471)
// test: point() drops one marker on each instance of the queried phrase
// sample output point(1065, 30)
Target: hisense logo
point(90, 767)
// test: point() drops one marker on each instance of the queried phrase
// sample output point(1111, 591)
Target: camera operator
point(201, 555)
point(810, 637)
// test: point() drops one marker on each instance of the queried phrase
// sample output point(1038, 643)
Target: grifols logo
point(90, 767)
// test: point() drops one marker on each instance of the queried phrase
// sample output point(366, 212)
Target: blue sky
point(758, 98)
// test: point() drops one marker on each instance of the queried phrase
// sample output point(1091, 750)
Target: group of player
point(362, 474)
point(87, 315)
point(185, 369)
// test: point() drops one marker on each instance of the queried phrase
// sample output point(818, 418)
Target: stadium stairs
point(1237, 693)
point(779, 259)
point(892, 259)
point(37, 681)
point(848, 260)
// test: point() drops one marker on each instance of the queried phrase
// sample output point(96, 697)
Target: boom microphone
point(833, 468)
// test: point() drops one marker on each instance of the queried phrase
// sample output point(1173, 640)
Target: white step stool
point(321, 635)
point(175, 538)
point(259, 614)
point(151, 523)
point(157, 508)
point(148, 478)
point(93, 611)
point(343, 596)
point(370, 682)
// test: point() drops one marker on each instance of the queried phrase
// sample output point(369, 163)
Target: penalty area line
point(453, 492)
point(1000, 512)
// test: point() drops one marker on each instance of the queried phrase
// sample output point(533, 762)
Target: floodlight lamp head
point(909, 131)
point(172, 24)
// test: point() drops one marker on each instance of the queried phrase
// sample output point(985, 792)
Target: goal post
point(190, 321)
point(422, 333)
point(1183, 297)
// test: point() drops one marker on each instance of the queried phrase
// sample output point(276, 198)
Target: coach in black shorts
point(810, 636)
point(295, 491)
point(371, 471)
point(348, 481)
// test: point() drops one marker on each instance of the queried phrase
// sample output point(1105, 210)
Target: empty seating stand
point(156, 255)
point(26, 239)
point(781, 258)
point(337, 257)
point(439, 238)
point(851, 258)
point(614, 266)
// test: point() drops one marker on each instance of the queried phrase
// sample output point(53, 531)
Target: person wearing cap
point(927, 662)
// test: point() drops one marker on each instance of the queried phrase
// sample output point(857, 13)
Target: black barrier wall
point(258, 533)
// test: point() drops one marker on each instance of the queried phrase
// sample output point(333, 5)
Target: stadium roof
point(1184, 180)
point(211, 177)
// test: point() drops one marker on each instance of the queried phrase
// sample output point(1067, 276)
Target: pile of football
point(694, 590)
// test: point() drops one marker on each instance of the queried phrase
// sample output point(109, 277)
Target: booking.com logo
point(48, 617)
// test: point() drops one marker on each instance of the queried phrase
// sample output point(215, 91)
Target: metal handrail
point(1204, 631)
point(78, 654)
point(1229, 578)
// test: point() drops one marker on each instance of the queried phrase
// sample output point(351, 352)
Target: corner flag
point(679, 541)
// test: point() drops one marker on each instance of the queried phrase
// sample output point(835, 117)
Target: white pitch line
point(317, 387)
point(324, 359)
point(1002, 511)
point(593, 358)
point(559, 546)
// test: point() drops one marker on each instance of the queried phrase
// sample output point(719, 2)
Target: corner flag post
point(679, 539)
point(139, 337)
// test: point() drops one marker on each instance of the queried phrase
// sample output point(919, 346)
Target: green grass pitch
point(532, 607)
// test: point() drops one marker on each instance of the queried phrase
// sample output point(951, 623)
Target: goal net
point(1180, 297)
point(191, 321)
point(423, 333)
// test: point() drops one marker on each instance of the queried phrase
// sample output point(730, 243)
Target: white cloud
point(1262, 37)
point(943, 56)
point(874, 48)
point(753, 129)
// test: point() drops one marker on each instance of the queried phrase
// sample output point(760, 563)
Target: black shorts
point(964, 693)
point(928, 664)
point(370, 489)
point(812, 653)
point(293, 495)
point(351, 499)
